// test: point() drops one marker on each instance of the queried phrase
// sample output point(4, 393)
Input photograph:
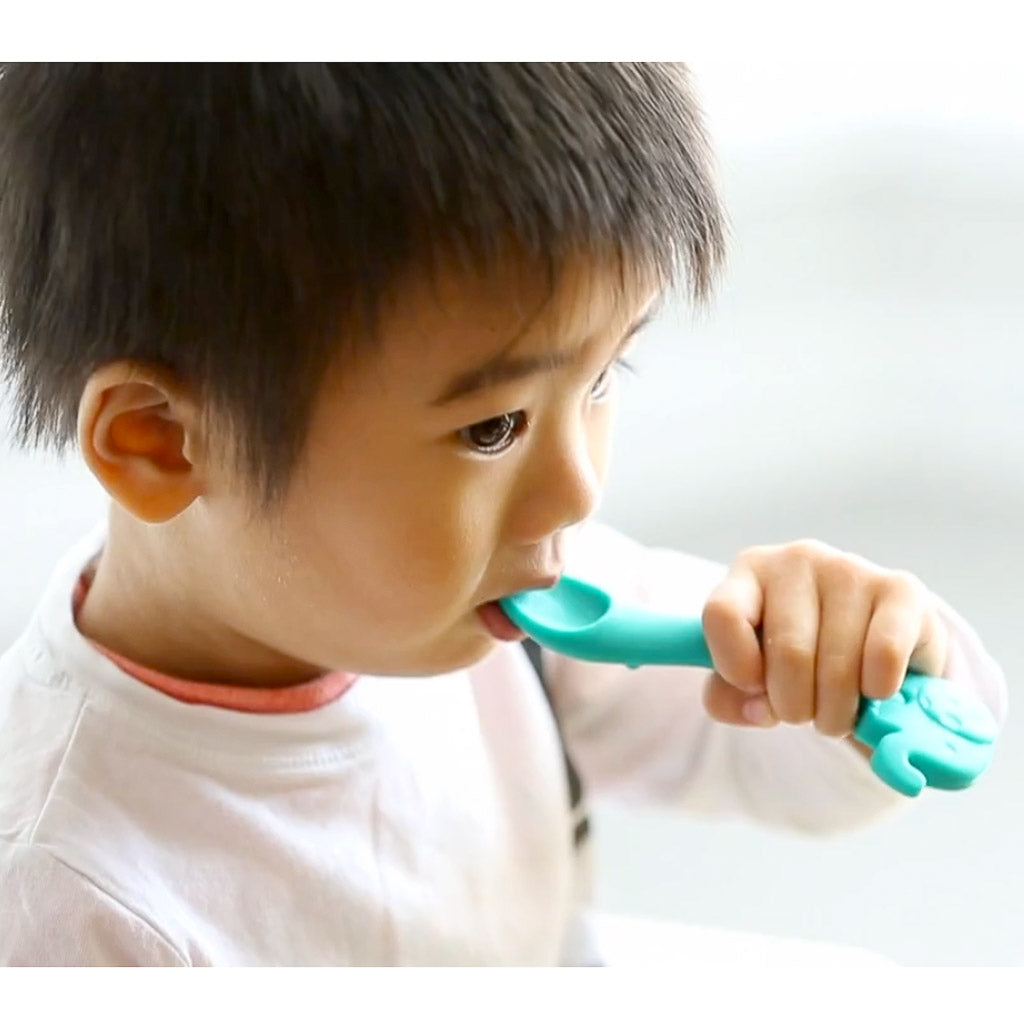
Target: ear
point(139, 432)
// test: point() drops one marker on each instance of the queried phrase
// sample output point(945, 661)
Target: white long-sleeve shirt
point(391, 821)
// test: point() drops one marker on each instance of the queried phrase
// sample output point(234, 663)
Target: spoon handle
point(631, 636)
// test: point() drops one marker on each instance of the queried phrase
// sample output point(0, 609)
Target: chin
point(438, 661)
point(459, 656)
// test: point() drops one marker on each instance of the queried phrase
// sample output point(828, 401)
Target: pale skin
point(409, 510)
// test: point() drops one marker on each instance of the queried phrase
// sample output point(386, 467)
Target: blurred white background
point(858, 381)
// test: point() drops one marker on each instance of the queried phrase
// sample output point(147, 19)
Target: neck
point(151, 601)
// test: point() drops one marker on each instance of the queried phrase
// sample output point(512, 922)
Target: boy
point(340, 341)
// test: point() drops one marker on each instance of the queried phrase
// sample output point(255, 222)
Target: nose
point(564, 481)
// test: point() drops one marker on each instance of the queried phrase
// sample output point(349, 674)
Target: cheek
point(600, 438)
point(445, 543)
point(406, 552)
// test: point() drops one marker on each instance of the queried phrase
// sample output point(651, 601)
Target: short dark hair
point(231, 222)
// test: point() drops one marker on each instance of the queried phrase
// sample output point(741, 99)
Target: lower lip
point(497, 623)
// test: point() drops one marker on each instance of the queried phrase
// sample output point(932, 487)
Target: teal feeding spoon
point(930, 733)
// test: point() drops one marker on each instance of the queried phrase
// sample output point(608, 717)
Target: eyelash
point(518, 418)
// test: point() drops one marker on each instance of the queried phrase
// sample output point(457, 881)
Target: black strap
point(582, 828)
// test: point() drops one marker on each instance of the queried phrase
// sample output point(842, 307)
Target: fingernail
point(757, 711)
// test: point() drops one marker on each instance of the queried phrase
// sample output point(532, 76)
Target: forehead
point(453, 318)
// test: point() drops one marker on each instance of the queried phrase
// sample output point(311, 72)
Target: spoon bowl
point(583, 621)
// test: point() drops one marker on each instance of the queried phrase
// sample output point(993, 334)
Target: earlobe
point(135, 431)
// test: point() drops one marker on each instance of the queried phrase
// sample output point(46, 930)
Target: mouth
point(498, 624)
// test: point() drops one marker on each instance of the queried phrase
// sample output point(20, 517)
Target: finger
point(904, 631)
point(931, 652)
point(731, 616)
point(846, 610)
point(725, 703)
point(790, 637)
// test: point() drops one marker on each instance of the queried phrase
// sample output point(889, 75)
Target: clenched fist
point(800, 632)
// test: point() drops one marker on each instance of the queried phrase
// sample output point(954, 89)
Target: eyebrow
point(502, 369)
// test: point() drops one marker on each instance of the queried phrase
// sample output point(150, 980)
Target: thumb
point(731, 706)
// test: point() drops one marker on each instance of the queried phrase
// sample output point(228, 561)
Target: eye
point(493, 436)
point(600, 389)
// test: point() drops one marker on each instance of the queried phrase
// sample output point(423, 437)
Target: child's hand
point(833, 627)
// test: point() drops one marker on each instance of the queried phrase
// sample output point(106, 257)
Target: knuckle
point(790, 679)
point(791, 711)
point(792, 653)
point(904, 585)
point(832, 727)
point(842, 573)
point(834, 669)
point(792, 715)
point(808, 550)
point(718, 612)
point(808, 547)
point(754, 555)
point(802, 548)
point(889, 655)
point(805, 557)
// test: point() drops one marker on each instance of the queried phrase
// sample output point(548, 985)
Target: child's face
point(414, 506)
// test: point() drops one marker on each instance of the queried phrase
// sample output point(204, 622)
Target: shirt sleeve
point(642, 736)
point(53, 916)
